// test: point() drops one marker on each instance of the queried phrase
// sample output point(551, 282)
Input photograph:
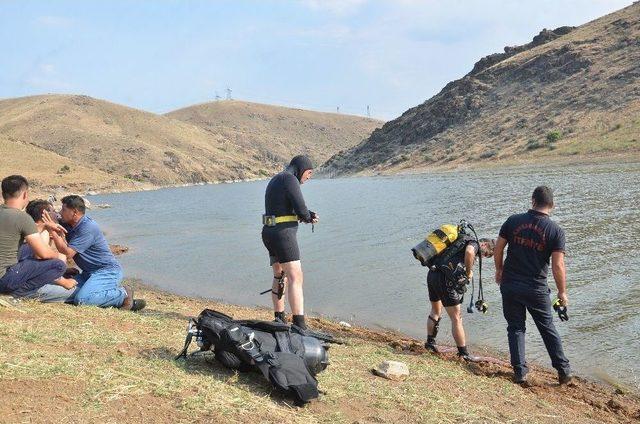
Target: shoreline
point(400, 341)
point(60, 363)
point(512, 163)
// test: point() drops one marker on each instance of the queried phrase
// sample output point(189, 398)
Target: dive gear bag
point(287, 356)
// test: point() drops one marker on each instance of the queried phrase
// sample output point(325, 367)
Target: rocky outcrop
point(565, 80)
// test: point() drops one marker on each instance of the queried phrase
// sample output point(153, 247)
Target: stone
point(344, 324)
point(392, 370)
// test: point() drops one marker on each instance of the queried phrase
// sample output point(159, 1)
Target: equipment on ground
point(287, 356)
point(561, 310)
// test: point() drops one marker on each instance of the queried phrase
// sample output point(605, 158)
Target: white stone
point(392, 370)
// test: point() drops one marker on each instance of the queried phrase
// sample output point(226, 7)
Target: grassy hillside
point(106, 146)
point(69, 364)
point(278, 133)
point(569, 94)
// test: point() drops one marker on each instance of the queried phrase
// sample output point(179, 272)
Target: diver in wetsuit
point(284, 207)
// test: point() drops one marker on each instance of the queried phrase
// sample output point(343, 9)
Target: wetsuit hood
point(298, 165)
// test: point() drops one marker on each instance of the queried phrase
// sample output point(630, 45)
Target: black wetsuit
point(284, 197)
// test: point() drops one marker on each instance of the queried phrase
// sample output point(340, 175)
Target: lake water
point(205, 241)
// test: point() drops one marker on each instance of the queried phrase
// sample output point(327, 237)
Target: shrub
point(553, 136)
point(64, 170)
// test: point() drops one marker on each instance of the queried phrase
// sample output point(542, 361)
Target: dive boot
point(430, 345)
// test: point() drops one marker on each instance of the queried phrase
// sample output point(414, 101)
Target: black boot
point(430, 344)
point(464, 353)
point(298, 320)
point(280, 316)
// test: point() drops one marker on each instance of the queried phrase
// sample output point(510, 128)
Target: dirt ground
point(67, 364)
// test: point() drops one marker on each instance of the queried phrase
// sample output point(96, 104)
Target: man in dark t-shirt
point(533, 240)
point(19, 278)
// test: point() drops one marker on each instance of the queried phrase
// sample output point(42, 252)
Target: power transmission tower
point(228, 93)
point(217, 96)
point(337, 109)
point(368, 111)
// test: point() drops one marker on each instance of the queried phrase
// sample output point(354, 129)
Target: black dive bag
point(287, 356)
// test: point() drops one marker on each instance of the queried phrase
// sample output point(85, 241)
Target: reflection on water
point(206, 241)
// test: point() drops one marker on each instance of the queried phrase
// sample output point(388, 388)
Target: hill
point(72, 142)
point(274, 133)
point(570, 92)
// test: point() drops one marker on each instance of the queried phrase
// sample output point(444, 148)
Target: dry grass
point(82, 364)
point(109, 146)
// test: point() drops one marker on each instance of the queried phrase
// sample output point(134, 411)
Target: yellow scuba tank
point(435, 243)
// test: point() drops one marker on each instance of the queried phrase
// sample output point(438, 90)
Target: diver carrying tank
point(287, 356)
point(435, 243)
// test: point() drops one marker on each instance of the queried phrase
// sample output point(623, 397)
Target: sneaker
point(565, 378)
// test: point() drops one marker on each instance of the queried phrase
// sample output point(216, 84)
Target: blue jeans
point(517, 298)
point(31, 274)
point(52, 293)
point(100, 288)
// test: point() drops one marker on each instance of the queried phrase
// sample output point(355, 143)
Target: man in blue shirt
point(533, 239)
point(100, 281)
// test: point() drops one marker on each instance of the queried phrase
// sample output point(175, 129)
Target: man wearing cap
point(284, 208)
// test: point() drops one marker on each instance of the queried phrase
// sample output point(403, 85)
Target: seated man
point(16, 227)
point(446, 289)
point(62, 289)
point(100, 281)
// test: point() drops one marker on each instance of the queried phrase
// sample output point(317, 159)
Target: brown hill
point(571, 92)
point(82, 143)
point(274, 133)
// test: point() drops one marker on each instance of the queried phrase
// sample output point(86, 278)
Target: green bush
point(553, 136)
point(64, 170)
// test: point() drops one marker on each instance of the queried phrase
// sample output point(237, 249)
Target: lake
point(205, 241)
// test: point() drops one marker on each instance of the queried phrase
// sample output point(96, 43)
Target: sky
point(162, 55)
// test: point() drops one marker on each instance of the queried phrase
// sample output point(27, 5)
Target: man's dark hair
point(74, 202)
point(36, 207)
point(542, 197)
point(13, 185)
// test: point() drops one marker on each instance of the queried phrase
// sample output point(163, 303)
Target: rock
point(392, 370)
point(344, 324)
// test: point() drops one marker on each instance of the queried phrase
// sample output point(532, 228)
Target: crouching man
point(100, 282)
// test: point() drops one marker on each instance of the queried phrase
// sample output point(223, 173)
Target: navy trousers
point(31, 274)
point(517, 298)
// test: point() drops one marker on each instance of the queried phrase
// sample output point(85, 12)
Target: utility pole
point(228, 93)
point(368, 111)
